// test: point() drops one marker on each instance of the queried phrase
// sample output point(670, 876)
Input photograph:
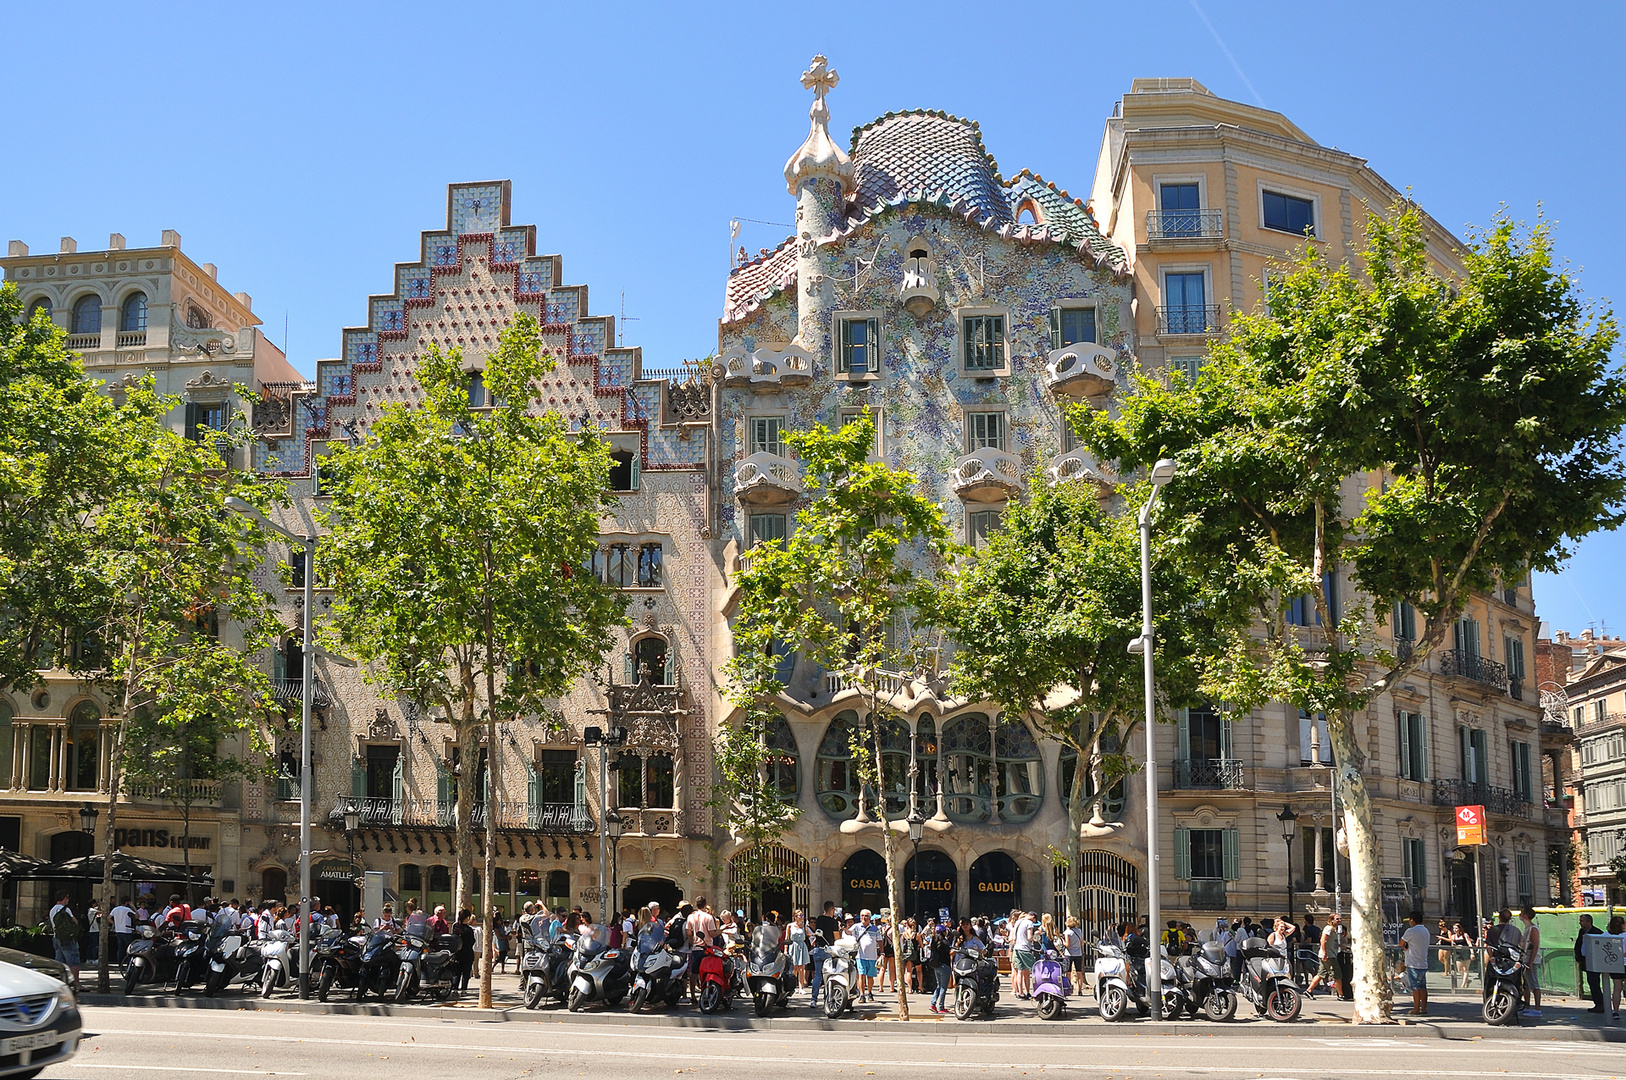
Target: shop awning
point(125, 868)
point(14, 864)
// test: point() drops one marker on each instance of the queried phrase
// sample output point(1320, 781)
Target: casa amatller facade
point(964, 310)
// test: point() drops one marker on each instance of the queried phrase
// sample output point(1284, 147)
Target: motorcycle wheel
point(403, 987)
point(1284, 1003)
point(324, 984)
point(711, 998)
point(131, 981)
point(1051, 1007)
point(268, 983)
point(1221, 1005)
point(575, 1003)
point(635, 1003)
point(835, 1000)
point(183, 978)
point(215, 983)
point(965, 1003)
point(533, 995)
point(443, 993)
point(1114, 1003)
point(1171, 1006)
point(1501, 1007)
point(764, 1004)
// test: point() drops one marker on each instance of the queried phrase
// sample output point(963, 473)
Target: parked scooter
point(279, 956)
point(658, 975)
point(533, 962)
point(976, 980)
point(1121, 980)
point(717, 975)
point(1267, 981)
point(231, 955)
point(1504, 987)
point(1206, 973)
point(426, 961)
point(1051, 986)
point(839, 964)
point(768, 975)
point(191, 955)
point(336, 961)
point(380, 964)
point(598, 972)
point(150, 958)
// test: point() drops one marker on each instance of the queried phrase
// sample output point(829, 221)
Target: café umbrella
point(125, 868)
point(14, 864)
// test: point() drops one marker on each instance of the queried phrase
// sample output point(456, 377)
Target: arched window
point(895, 766)
point(778, 751)
point(273, 883)
point(42, 305)
point(1112, 804)
point(968, 759)
point(1021, 772)
point(84, 746)
point(926, 748)
point(87, 315)
point(650, 653)
point(133, 315)
point(837, 777)
point(409, 877)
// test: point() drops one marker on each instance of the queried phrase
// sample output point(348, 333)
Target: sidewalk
point(1452, 1015)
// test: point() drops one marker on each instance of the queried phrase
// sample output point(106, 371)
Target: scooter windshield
point(223, 927)
point(596, 942)
point(417, 925)
point(541, 931)
point(765, 943)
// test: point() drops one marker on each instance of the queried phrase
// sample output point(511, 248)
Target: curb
point(881, 1024)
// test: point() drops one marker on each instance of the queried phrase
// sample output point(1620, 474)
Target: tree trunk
point(896, 929)
point(1373, 995)
point(468, 778)
point(1075, 825)
point(488, 943)
point(106, 936)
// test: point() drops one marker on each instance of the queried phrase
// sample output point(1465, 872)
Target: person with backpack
point(65, 935)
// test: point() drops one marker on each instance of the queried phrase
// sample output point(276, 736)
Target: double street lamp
point(604, 740)
point(917, 830)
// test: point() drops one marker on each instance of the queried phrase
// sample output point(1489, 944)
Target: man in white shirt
point(65, 935)
point(1416, 940)
point(123, 929)
point(1023, 954)
point(867, 937)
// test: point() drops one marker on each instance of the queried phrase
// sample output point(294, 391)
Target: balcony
point(1080, 464)
point(1467, 665)
point(1495, 800)
point(1224, 774)
point(132, 339)
point(1184, 224)
point(1207, 894)
point(85, 342)
point(1191, 320)
point(1081, 370)
point(291, 692)
point(767, 368)
point(190, 791)
point(765, 479)
point(551, 818)
point(987, 474)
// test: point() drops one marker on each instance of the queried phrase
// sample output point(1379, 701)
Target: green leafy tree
point(1427, 435)
point(458, 537)
point(1042, 618)
point(747, 798)
point(843, 587)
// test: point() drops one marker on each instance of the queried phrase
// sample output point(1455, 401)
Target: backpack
point(65, 926)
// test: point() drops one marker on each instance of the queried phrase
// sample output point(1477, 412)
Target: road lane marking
point(179, 1068)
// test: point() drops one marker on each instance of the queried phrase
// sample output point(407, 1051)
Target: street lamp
point(917, 830)
point(352, 822)
point(1290, 829)
point(87, 818)
point(1162, 473)
point(617, 825)
point(604, 740)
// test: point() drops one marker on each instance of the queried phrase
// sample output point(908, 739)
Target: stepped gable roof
point(750, 283)
point(1059, 212)
point(927, 152)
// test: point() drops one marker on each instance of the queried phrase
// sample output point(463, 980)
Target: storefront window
point(996, 884)
point(558, 889)
point(863, 882)
point(410, 877)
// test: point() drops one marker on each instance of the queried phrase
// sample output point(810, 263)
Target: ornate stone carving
point(383, 728)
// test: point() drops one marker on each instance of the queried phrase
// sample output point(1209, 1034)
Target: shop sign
point(175, 839)
point(996, 886)
point(944, 885)
point(333, 870)
point(1470, 825)
point(865, 884)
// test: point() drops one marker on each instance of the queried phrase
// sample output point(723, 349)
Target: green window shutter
point(191, 421)
point(1404, 730)
point(579, 811)
point(395, 792)
point(1182, 854)
point(533, 795)
point(1230, 844)
point(1225, 736)
point(1055, 328)
point(1422, 743)
point(443, 785)
point(358, 778)
point(635, 465)
point(1185, 734)
point(631, 667)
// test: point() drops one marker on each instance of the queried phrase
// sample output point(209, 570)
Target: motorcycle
point(1504, 987)
point(598, 972)
point(1206, 974)
point(191, 957)
point(976, 980)
point(380, 964)
point(768, 976)
point(231, 955)
point(534, 970)
point(839, 964)
point(336, 961)
point(1051, 986)
point(658, 974)
point(279, 959)
point(150, 958)
point(1121, 972)
point(717, 977)
point(1267, 981)
point(426, 961)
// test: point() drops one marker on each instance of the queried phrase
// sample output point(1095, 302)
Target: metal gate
point(785, 880)
point(1111, 894)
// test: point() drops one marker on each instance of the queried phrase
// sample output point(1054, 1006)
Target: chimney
point(16, 249)
point(69, 245)
point(212, 271)
point(170, 238)
point(115, 242)
point(245, 299)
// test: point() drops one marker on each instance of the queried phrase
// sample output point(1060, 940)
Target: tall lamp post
point(617, 825)
point(1290, 829)
point(604, 740)
point(307, 701)
point(352, 822)
point(917, 830)
point(1162, 473)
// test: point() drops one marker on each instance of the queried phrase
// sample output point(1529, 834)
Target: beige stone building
point(1588, 671)
point(127, 312)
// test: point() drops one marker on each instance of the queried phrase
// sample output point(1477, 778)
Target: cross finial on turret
point(820, 77)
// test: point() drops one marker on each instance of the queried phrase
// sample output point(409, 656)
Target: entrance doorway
point(1111, 893)
point(996, 884)
point(929, 884)
point(784, 878)
point(863, 882)
point(641, 890)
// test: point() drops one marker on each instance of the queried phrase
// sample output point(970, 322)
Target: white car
point(39, 1022)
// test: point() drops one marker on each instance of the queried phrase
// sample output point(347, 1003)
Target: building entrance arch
point(996, 884)
point(641, 890)
point(863, 881)
point(929, 881)
point(773, 872)
point(1111, 896)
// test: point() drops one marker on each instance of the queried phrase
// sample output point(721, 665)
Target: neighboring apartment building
point(1584, 684)
point(1209, 196)
point(127, 312)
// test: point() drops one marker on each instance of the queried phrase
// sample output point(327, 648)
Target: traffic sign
point(1470, 825)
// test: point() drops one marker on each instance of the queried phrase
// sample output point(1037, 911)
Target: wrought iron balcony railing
point(1224, 773)
point(1207, 894)
point(1469, 665)
point(291, 692)
point(1188, 319)
point(1495, 800)
point(197, 791)
point(380, 813)
point(1184, 224)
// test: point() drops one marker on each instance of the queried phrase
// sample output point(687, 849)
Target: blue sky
point(302, 148)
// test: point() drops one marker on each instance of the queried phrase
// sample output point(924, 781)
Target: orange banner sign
point(1470, 825)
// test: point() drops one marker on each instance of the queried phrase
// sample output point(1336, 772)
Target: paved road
point(200, 1044)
